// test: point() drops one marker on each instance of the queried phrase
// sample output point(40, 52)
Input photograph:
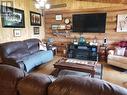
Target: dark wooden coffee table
point(76, 65)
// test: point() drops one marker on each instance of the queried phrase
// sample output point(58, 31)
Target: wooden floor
point(110, 73)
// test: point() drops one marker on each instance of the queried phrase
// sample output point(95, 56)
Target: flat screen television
point(89, 23)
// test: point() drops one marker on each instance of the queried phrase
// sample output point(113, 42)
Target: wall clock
point(67, 21)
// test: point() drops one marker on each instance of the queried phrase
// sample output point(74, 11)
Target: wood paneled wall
point(111, 23)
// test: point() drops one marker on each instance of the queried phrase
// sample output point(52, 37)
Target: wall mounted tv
point(89, 23)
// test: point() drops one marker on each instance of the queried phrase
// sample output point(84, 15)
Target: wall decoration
point(6, 4)
point(35, 18)
point(58, 26)
point(17, 32)
point(54, 26)
point(36, 30)
point(66, 20)
point(58, 17)
point(12, 18)
point(68, 26)
point(122, 23)
point(62, 26)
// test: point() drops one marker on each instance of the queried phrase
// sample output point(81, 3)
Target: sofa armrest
point(10, 61)
point(112, 52)
point(14, 62)
point(9, 78)
point(118, 61)
point(34, 84)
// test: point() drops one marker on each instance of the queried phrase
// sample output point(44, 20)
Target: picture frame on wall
point(35, 18)
point(6, 4)
point(122, 23)
point(17, 32)
point(12, 17)
point(36, 30)
point(58, 17)
point(55, 26)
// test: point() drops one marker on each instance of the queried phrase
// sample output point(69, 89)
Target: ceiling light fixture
point(42, 4)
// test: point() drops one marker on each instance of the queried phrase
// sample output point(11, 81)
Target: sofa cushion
point(16, 49)
point(18, 54)
point(120, 51)
point(72, 85)
point(34, 84)
point(37, 58)
point(32, 45)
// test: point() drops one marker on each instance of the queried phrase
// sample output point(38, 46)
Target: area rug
point(98, 74)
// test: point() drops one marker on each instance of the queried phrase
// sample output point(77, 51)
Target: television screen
point(89, 23)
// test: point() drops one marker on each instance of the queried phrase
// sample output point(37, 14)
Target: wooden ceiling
point(85, 4)
point(107, 1)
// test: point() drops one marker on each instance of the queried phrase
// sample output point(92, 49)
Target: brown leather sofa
point(14, 81)
point(24, 54)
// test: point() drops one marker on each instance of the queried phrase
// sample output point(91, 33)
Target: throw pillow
point(42, 46)
point(111, 52)
point(120, 51)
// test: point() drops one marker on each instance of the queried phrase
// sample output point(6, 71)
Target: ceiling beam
point(107, 1)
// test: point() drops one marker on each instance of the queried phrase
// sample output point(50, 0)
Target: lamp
point(42, 4)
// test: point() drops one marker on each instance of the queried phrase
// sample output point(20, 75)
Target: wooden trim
point(104, 9)
point(107, 1)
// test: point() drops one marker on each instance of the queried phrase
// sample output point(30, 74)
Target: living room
point(54, 27)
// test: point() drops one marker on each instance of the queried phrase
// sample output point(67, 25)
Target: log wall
point(111, 25)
